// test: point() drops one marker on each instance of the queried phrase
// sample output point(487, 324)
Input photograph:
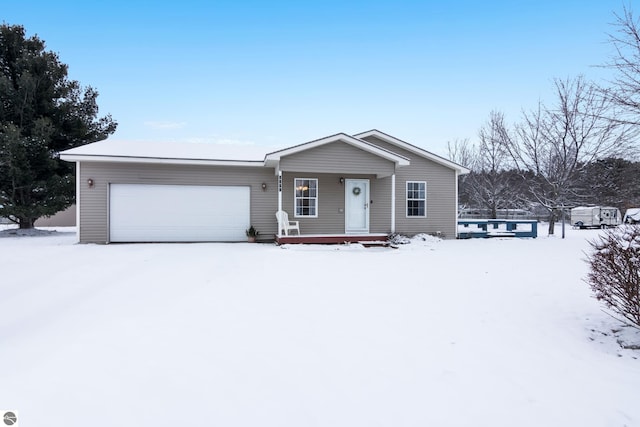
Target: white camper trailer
point(595, 217)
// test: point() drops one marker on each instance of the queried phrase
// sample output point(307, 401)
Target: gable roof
point(272, 159)
point(412, 148)
point(239, 155)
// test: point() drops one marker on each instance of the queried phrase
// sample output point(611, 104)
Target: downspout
point(393, 202)
point(279, 199)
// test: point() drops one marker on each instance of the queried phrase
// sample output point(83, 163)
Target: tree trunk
point(26, 223)
point(552, 222)
point(494, 212)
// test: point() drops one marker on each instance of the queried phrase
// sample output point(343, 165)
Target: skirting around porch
point(331, 238)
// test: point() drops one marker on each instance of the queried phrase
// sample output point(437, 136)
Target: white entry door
point(356, 205)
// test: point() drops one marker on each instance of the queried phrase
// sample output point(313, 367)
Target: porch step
point(331, 239)
point(378, 244)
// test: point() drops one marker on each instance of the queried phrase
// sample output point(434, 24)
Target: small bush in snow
point(614, 274)
point(398, 239)
point(424, 237)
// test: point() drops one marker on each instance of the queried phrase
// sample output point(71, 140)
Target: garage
point(178, 213)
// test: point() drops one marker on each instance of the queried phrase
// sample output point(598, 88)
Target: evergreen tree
point(42, 112)
point(613, 182)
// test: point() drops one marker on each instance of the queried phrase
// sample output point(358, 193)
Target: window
point(306, 197)
point(416, 199)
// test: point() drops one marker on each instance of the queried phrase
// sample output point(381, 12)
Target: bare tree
point(461, 151)
point(489, 185)
point(554, 143)
point(625, 61)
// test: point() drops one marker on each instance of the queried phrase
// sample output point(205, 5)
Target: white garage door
point(178, 213)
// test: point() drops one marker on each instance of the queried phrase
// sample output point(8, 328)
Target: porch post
point(279, 199)
point(393, 203)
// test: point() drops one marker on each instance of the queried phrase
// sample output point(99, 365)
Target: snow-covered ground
point(499, 332)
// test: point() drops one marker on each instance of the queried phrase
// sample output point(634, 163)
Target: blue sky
point(281, 73)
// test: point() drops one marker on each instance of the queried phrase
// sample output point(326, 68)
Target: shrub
point(398, 239)
point(614, 274)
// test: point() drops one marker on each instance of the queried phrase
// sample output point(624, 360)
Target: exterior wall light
point(90, 182)
point(341, 180)
point(264, 186)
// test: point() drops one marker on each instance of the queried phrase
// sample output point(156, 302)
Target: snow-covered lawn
point(499, 332)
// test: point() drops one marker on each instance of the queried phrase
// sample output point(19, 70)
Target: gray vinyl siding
point(441, 194)
point(327, 163)
point(331, 203)
point(380, 214)
point(94, 201)
point(337, 157)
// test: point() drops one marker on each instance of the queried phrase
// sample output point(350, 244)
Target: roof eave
point(158, 160)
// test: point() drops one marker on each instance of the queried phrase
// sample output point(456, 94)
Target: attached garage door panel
point(178, 213)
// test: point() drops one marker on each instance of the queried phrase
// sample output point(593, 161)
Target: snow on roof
point(171, 150)
point(238, 154)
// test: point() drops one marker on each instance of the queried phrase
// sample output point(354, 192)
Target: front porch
point(337, 189)
point(377, 239)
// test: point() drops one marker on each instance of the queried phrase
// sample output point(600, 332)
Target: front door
point(356, 205)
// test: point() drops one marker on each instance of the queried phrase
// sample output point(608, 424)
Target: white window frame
point(295, 198)
point(407, 199)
